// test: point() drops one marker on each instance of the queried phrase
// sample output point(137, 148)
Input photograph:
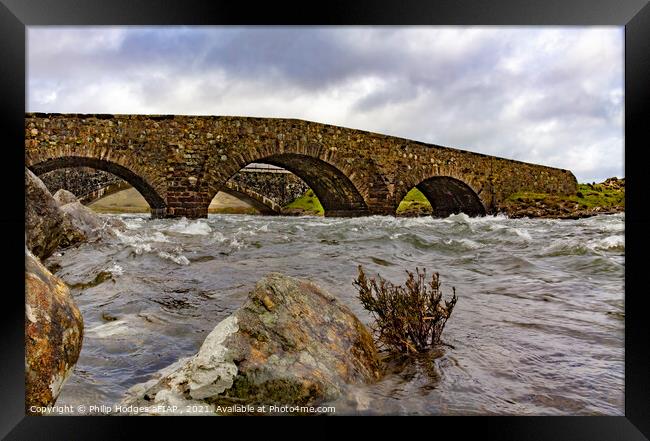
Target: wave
point(232, 242)
point(569, 247)
point(141, 243)
point(183, 226)
point(179, 259)
point(610, 243)
point(133, 223)
point(524, 234)
point(463, 244)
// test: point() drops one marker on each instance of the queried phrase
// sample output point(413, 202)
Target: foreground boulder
point(46, 226)
point(291, 343)
point(53, 335)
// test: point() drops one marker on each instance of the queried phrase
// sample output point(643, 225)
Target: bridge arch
point(151, 195)
point(448, 195)
point(334, 188)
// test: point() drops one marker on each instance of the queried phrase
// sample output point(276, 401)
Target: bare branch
point(410, 317)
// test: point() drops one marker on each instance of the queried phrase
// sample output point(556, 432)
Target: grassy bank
point(588, 196)
point(607, 196)
point(414, 203)
point(590, 199)
point(305, 204)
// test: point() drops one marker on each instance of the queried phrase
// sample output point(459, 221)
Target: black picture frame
point(15, 15)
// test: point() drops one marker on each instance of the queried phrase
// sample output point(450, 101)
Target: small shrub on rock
point(409, 318)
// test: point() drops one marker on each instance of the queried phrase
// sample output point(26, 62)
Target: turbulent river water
point(538, 327)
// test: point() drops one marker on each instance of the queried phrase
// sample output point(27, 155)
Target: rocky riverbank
point(607, 197)
point(53, 323)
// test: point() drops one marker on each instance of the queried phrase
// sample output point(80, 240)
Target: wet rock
point(53, 334)
point(46, 226)
point(547, 211)
point(291, 343)
point(63, 197)
point(90, 223)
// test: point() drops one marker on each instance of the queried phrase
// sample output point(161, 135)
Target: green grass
point(588, 196)
point(599, 196)
point(526, 195)
point(307, 202)
point(414, 200)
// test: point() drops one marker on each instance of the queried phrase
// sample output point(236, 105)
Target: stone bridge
point(179, 163)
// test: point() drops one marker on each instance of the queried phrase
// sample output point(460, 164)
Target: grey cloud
point(569, 103)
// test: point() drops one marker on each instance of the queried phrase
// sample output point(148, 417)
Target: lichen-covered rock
point(291, 343)
point(46, 226)
point(63, 197)
point(53, 335)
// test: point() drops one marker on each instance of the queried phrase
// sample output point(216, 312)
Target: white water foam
point(458, 218)
point(464, 243)
point(180, 259)
point(116, 269)
point(610, 243)
point(133, 223)
point(131, 239)
point(183, 226)
point(521, 233)
point(219, 237)
point(141, 243)
point(565, 247)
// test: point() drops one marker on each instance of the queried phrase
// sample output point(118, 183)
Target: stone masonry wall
point(79, 181)
point(282, 188)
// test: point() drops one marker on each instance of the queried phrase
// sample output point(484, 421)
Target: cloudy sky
point(545, 95)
